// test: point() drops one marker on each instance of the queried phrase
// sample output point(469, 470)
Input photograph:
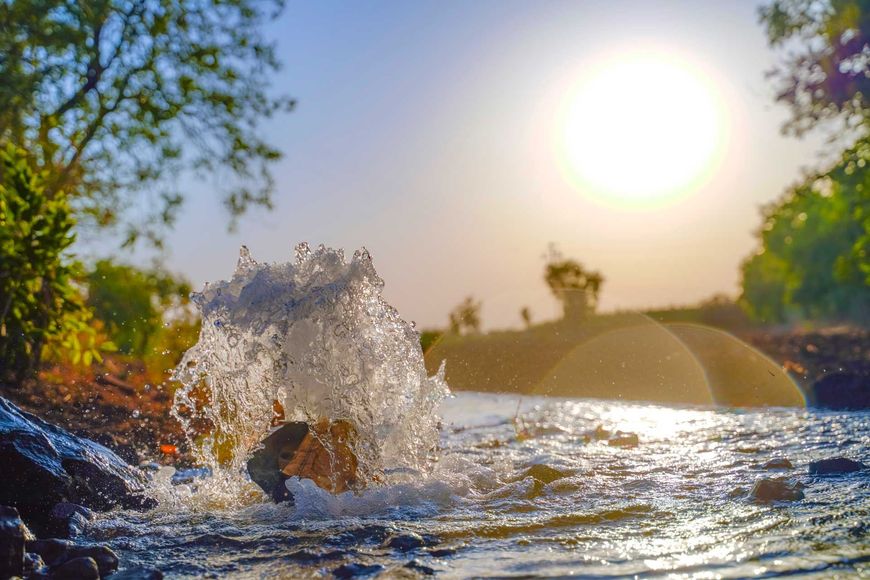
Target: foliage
point(114, 97)
point(135, 304)
point(825, 71)
point(40, 306)
point(429, 338)
point(572, 284)
point(813, 261)
point(465, 318)
point(526, 315)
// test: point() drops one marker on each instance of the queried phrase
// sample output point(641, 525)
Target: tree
point(134, 304)
point(526, 315)
point(465, 318)
point(40, 306)
point(825, 70)
point(815, 241)
point(114, 97)
point(572, 284)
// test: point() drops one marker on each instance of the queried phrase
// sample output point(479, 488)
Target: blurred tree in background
point(813, 261)
point(465, 318)
point(114, 97)
point(41, 308)
point(572, 284)
point(813, 257)
point(134, 304)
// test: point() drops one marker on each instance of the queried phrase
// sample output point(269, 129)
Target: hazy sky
point(424, 131)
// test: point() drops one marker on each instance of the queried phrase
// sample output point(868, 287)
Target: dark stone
point(67, 520)
point(77, 569)
point(53, 551)
point(33, 564)
point(13, 534)
point(405, 542)
point(138, 574)
point(778, 463)
point(420, 568)
point(624, 440)
point(846, 391)
point(355, 570)
point(46, 465)
point(266, 463)
point(835, 466)
point(767, 490)
point(544, 473)
point(442, 552)
point(56, 552)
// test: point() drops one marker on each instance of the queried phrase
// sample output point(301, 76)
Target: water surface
point(672, 505)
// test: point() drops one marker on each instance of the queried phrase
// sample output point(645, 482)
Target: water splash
point(317, 336)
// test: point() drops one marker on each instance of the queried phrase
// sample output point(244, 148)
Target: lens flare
point(640, 130)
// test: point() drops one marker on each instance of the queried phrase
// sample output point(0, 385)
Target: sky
point(430, 133)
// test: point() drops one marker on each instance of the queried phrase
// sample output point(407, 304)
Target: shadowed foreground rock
point(45, 465)
point(835, 466)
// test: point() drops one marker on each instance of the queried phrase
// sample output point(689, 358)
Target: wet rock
point(835, 466)
point(405, 542)
point(13, 534)
point(544, 473)
point(67, 520)
point(33, 565)
point(623, 440)
point(778, 463)
point(848, 391)
point(56, 552)
point(140, 573)
point(266, 463)
point(46, 465)
point(77, 569)
point(442, 552)
point(767, 490)
point(355, 570)
point(420, 568)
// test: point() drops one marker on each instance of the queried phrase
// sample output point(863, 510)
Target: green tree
point(572, 284)
point(813, 260)
point(824, 72)
point(465, 318)
point(134, 304)
point(40, 306)
point(113, 98)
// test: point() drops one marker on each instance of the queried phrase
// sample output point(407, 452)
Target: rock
point(53, 551)
point(623, 440)
point(846, 391)
point(77, 569)
point(33, 565)
point(13, 534)
point(138, 574)
point(835, 466)
point(46, 465)
point(442, 552)
point(420, 568)
point(405, 542)
point(778, 463)
point(266, 463)
point(355, 570)
point(57, 552)
point(67, 520)
point(767, 490)
point(543, 473)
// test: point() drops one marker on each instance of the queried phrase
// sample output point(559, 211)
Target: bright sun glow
point(641, 129)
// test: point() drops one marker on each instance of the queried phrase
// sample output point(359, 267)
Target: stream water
point(472, 485)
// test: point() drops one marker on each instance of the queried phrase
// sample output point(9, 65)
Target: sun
point(640, 129)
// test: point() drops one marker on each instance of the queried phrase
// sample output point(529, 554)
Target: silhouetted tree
point(572, 284)
point(113, 98)
point(526, 315)
point(465, 318)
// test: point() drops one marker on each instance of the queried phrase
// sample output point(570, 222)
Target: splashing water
point(316, 336)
